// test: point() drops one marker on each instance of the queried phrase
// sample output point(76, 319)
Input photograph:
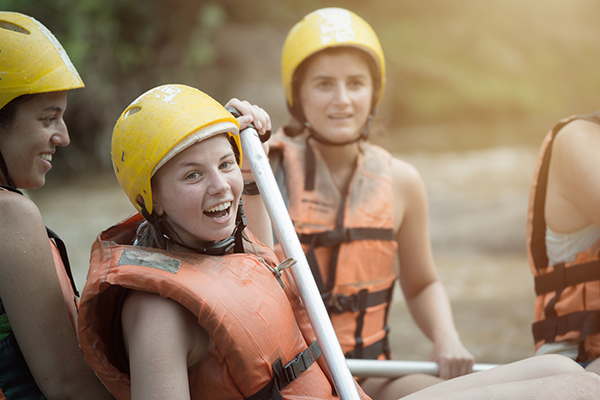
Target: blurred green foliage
point(461, 73)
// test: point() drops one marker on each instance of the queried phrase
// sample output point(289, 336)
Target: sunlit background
point(472, 88)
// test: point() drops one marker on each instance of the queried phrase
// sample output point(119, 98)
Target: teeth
point(45, 156)
point(220, 207)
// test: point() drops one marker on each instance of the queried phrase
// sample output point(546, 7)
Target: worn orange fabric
point(369, 265)
point(249, 317)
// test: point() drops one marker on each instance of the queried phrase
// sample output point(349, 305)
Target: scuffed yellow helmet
point(328, 27)
point(157, 126)
point(32, 60)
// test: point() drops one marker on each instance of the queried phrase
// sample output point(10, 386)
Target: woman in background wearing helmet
point(181, 301)
point(358, 211)
point(39, 355)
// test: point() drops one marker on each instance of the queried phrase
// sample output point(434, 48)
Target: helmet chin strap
point(211, 248)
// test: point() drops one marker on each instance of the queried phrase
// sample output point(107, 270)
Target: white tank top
point(563, 247)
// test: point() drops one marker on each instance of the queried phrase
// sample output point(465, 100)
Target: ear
point(156, 208)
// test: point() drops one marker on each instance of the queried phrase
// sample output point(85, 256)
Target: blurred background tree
point(461, 74)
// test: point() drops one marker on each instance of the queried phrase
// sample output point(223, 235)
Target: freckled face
point(33, 137)
point(336, 95)
point(198, 191)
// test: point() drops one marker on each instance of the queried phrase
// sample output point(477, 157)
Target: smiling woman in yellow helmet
point(358, 211)
point(39, 355)
point(181, 301)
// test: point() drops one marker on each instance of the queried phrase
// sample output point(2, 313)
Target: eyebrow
point(360, 76)
point(53, 108)
point(194, 163)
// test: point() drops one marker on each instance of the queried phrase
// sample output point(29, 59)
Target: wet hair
point(8, 113)
point(148, 236)
point(300, 74)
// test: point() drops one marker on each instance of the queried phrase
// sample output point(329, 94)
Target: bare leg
point(392, 389)
point(549, 377)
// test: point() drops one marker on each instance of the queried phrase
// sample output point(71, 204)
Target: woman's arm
point(425, 296)
point(35, 305)
point(163, 341)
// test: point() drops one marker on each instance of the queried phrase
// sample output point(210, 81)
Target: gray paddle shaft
point(396, 369)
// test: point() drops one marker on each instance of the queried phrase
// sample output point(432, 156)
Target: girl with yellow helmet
point(39, 354)
point(359, 212)
point(181, 301)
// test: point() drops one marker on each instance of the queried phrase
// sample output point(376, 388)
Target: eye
point(192, 176)
point(356, 84)
point(49, 119)
point(324, 85)
point(225, 165)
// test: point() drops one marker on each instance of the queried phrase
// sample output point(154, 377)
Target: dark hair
point(300, 74)
point(8, 113)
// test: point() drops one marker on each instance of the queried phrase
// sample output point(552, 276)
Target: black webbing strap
point(371, 352)
point(62, 249)
point(587, 322)
point(339, 303)
point(333, 238)
point(561, 277)
point(284, 375)
point(310, 170)
point(341, 235)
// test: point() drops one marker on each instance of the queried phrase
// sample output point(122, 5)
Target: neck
point(341, 161)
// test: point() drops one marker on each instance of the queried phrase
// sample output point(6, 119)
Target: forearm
point(431, 310)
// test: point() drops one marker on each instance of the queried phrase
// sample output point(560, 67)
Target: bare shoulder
point(18, 212)
point(576, 139)
point(405, 176)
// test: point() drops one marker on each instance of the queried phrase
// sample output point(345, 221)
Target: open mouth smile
point(219, 211)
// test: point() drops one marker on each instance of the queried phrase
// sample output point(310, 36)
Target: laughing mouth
point(45, 156)
point(218, 211)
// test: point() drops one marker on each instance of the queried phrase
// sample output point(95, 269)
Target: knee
point(554, 364)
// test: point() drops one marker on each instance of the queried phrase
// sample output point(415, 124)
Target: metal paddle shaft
point(396, 369)
point(286, 234)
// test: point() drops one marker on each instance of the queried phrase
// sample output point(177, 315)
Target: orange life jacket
point(249, 356)
point(567, 305)
point(19, 381)
point(349, 241)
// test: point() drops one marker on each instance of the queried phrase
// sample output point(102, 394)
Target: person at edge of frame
point(563, 241)
point(39, 354)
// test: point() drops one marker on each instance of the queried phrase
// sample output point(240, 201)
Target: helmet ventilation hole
point(131, 111)
point(12, 27)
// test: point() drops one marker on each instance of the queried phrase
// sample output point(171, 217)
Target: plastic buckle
point(294, 368)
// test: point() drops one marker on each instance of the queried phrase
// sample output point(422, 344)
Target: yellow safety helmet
point(328, 27)
point(32, 60)
point(158, 125)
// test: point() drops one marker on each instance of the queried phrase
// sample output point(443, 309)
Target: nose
point(218, 184)
point(342, 94)
point(61, 136)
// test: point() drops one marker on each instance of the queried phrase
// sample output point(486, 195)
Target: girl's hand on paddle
point(251, 114)
point(453, 359)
